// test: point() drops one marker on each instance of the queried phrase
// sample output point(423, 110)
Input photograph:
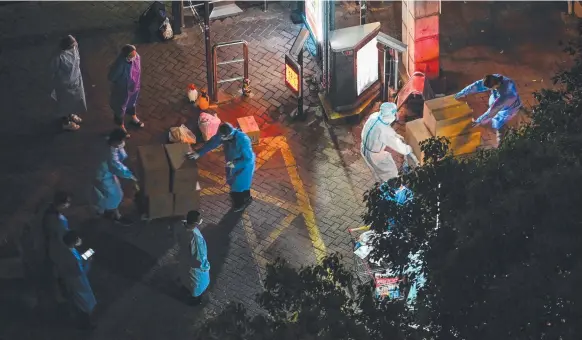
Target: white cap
point(388, 112)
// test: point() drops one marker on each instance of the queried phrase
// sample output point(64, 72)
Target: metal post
point(300, 114)
point(396, 70)
point(384, 85)
point(363, 12)
point(209, 68)
point(265, 5)
point(178, 14)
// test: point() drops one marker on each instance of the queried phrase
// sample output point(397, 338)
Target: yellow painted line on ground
point(254, 245)
point(279, 229)
point(304, 204)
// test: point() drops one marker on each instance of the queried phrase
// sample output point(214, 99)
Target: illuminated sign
point(366, 66)
point(314, 16)
point(292, 75)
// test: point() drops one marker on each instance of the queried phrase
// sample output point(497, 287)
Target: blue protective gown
point(73, 269)
point(239, 150)
point(504, 102)
point(68, 82)
point(193, 260)
point(107, 189)
point(125, 77)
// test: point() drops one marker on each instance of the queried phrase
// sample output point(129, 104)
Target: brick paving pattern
point(308, 194)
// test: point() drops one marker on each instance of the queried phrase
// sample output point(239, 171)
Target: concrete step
point(224, 9)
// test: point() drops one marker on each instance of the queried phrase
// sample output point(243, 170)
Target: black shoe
point(194, 301)
point(124, 221)
point(243, 206)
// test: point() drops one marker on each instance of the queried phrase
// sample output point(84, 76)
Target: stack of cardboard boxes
point(444, 117)
point(168, 181)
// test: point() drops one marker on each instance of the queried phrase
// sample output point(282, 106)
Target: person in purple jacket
point(125, 76)
point(504, 101)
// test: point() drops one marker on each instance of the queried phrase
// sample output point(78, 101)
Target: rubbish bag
point(208, 124)
point(181, 134)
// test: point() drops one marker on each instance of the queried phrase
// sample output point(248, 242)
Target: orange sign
point(292, 77)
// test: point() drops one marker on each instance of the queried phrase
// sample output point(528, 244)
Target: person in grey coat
point(68, 88)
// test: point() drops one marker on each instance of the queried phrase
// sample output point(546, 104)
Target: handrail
point(215, 64)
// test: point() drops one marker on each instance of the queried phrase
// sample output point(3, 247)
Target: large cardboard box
point(184, 172)
point(446, 116)
point(416, 132)
point(154, 170)
point(186, 201)
point(160, 205)
point(249, 126)
point(465, 144)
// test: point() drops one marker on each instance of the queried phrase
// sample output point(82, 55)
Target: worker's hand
point(413, 160)
point(459, 96)
point(192, 155)
point(136, 186)
point(230, 165)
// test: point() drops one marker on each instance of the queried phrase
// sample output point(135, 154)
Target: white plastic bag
point(181, 134)
point(208, 124)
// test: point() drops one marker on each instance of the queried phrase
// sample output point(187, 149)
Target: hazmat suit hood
point(388, 113)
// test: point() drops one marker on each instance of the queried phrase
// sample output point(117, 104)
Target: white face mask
point(122, 145)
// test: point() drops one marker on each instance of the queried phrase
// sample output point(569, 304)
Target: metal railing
point(215, 64)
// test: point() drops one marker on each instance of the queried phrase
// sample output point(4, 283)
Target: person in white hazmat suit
point(377, 137)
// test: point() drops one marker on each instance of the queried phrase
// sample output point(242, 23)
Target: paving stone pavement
point(309, 186)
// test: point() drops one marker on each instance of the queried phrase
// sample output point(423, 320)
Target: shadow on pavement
point(217, 238)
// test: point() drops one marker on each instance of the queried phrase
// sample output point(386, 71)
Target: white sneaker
point(76, 119)
point(71, 126)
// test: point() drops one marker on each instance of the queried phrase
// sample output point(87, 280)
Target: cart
point(385, 285)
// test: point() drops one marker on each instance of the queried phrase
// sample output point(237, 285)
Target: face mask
point(79, 243)
point(226, 138)
point(121, 145)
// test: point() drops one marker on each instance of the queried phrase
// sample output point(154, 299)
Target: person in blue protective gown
point(504, 101)
point(107, 189)
point(240, 162)
point(377, 138)
point(193, 265)
point(69, 91)
point(125, 77)
point(54, 226)
point(74, 269)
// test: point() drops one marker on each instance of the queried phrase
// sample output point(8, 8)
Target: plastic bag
point(208, 124)
point(181, 134)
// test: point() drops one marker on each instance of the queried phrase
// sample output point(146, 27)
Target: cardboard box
point(453, 116)
point(160, 205)
point(154, 170)
point(465, 144)
point(186, 201)
point(416, 132)
point(183, 171)
point(249, 126)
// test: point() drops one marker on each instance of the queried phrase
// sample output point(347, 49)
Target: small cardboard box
point(154, 170)
point(249, 126)
point(186, 201)
point(446, 116)
point(160, 205)
point(184, 172)
point(465, 144)
point(416, 132)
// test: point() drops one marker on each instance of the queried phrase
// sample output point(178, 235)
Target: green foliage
point(314, 302)
point(498, 235)
point(504, 260)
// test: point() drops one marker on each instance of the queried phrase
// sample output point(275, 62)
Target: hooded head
point(388, 113)
point(128, 52)
point(68, 43)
